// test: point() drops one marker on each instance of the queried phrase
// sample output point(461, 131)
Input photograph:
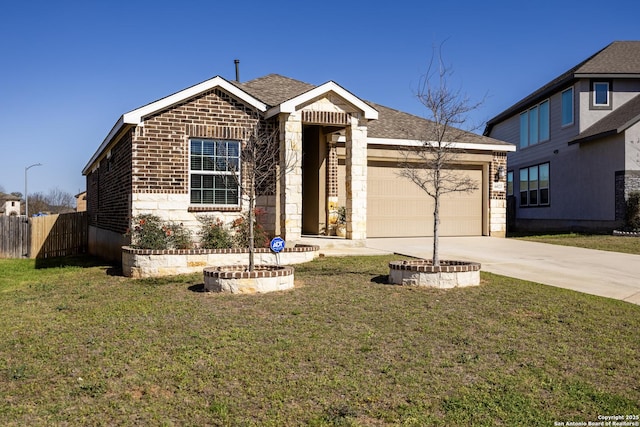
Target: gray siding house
point(578, 140)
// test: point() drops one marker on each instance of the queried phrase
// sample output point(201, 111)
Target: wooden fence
point(45, 236)
point(14, 237)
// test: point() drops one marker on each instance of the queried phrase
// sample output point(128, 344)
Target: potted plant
point(341, 222)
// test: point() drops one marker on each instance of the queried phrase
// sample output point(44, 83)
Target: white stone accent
point(291, 195)
point(139, 266)
point(356, 185)
point(435, 280)
point(498, 217)
point(249, 286)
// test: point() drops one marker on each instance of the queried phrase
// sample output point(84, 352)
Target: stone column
point(356, 175)
point(497, 196)
point(291, 181)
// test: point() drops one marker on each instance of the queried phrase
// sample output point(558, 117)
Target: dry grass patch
point(624, 244)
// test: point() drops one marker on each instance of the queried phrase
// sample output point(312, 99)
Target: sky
point(69, 69)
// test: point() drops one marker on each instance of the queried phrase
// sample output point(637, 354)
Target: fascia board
point(291, 105)
point(114, 131)
point(137, 116)
point(453, 145)
point(607, 76)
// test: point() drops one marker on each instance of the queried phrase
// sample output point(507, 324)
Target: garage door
point(396, 207)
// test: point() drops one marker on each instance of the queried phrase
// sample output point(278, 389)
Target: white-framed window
point(567, 107)
point(534, 185)
point(534, 124)
point(601, 94)
point(214, 172)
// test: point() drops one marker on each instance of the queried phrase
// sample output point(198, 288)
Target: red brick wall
point(161, 147)
point(109, 188)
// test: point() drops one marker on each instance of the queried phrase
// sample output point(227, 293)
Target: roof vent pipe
point(237, 62)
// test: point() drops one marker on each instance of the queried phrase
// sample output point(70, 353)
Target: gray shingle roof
point(615, 122)
point(273, 89)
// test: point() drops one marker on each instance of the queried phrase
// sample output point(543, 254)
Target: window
point(601, 94)
point(510, 183)
point(534, 125)
point(534, 185)
point(214, 172)
point(567, 107)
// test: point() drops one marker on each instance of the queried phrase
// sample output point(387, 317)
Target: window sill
point(214, 209)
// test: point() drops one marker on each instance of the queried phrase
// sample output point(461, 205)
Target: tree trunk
point(252, 220)
point(436, 223)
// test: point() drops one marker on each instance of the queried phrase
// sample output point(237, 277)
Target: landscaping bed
point(141, 263)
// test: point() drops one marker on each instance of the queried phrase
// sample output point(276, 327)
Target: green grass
point(83, 347)
point(629, 245)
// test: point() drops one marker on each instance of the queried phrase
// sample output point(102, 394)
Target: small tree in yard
point(430, 165)
point(261, 169)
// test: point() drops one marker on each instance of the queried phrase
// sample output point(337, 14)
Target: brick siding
point(161, 148)
point(109, 188)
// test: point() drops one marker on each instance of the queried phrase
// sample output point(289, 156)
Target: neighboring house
point(578, 141)
point(81, 201)
point(12, 206)
point(344, 151)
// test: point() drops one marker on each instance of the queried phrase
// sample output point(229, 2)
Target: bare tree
point(261, 169)
point(59, 201)
point(431, 164)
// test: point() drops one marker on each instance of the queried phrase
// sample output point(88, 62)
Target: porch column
point(291, 181)
point(356, 174)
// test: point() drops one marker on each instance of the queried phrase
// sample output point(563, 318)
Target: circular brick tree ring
point(421, 272)
point(236, 279)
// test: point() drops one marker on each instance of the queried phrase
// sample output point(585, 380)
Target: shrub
point(633, 211)
point(177, 236)
point(213, 233)
point(241, 229)
point(149, 232)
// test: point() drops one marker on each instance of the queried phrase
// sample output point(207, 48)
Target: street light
point(26, 195)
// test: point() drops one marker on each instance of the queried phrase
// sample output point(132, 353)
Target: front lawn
point(624, 244)
point(80, 346)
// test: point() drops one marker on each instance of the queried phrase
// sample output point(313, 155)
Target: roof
point(274, 94)
point(615, 122)
point(618, 59)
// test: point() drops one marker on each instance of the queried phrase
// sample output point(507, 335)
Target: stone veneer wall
point(626, 182)
point(498, 196)
point(155, 263)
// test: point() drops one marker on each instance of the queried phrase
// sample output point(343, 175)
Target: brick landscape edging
point(141, 263)
point(239, 271)
point(426, 266)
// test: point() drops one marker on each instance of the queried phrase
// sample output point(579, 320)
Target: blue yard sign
point(277, 244)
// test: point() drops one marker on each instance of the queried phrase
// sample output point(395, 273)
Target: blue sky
point(69, 69)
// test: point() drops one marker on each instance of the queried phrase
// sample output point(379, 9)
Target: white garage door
point(396, 207)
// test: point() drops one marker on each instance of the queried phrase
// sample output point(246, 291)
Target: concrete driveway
point(608, 274)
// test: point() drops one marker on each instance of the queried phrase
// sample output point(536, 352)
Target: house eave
point(136, 117)
point(115, 130)
point(593, 137)
point(292, 104)
point(452, 145)
point(607, 75)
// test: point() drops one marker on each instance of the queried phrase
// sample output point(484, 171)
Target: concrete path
point(608, 274)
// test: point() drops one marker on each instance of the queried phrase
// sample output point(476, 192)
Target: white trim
point(290, 106)
point(137, 116)
point(454, 145)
